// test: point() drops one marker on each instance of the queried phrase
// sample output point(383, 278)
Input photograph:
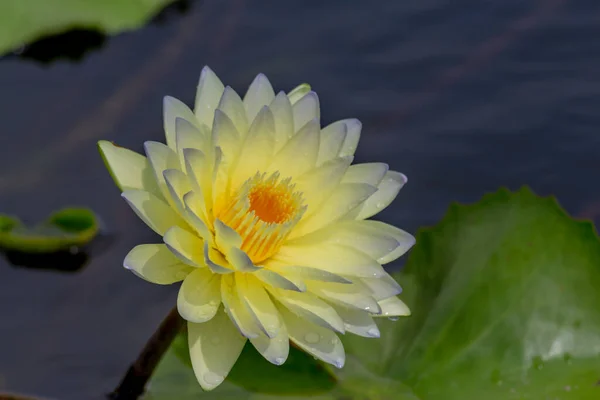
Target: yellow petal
point(238, 313)
point(259, 304)
point(231, 104)
point(298, 92)
point(199, 170)
point(215, 346)
point(128, 169)
point(199, 296)
point(308, 274)
point(229, 241)
point(378, 240)
point(393, 307)
point(322, 343)
point(195, 216)
point(178, 185)
point(306, 109)
point(311, 308)
point(226, 136)
point(156, 264)
point(387, 191)
point(257, 150)
point(332, 139)
point(318, 184)
point(173, 109)
point(302, 148)
point(381, 288)
point(371, 173)
point(157, 214)
point(330, 257)
point(277, 280)
point(345, 198)
point(215, 260)
point(185, 245)
point(354, 127)
point(284, 119)
point(345, 295)
point(161, 158)
point(275, 350)
point(358, 322)
point(259, 94)
point(209, 92)
point(191, 137)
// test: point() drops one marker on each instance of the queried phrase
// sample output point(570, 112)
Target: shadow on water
point(75, 44)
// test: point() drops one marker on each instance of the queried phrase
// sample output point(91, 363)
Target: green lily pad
point(62, 230)
point(24, 21)
point(505, 300)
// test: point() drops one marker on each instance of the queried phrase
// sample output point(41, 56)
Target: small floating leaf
point(61, 231)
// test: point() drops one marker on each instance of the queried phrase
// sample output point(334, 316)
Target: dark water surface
point(463, 96)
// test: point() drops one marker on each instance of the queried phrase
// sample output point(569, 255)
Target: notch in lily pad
point(59, 242)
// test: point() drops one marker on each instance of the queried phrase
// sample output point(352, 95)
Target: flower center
point(263, 211)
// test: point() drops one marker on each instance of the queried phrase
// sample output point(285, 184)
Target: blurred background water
point(463, 96)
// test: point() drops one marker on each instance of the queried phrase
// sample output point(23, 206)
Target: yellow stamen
point(263, 211)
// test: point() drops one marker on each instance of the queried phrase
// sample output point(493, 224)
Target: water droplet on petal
point(339, 363)
point(312, 337)
point(212, 379)
point(279, 360)
point(393, 318)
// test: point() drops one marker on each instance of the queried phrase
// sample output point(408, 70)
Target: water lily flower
point(265, 221)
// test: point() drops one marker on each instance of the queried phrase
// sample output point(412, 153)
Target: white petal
point(128, 169)
point(322, 343)
point(310, 307)
point(231, 104)
point(351, 142)
point(284, 119)
point(331, 257)
point(279, 281)
point(371, 173)
point(161, 158)
point(209, 92)
point(358, 322)
point(302, 148)
point(345, 198)
point(185, 245)
point(199, 296)
point(215, 346)
point(259, 304)
point(274, 350)
point(332, 139)
point(393, 306)
point(156, 264)
point(259, 94)
point(157, 214)
point(238, 313)
point(173, 109)
point(306, 109)
point(387, 191)
point(298, 92)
